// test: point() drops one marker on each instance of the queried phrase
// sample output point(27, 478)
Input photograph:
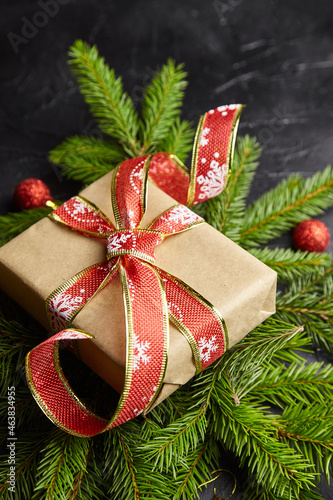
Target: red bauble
point(31, 193)
point(312, 236)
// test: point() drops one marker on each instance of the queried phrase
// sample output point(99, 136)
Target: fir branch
point(192, 472)
point(245, 362)
point(310, 301)
point(15, 223)
point(16, 332)
point(161, 105)
point(225, 212)
point(281, 208)
point(15, 341)
point(86, 159)
point(253, 491)
point(11, 365)
point(310, 428)
point(26, 410)
point(174, 441)
point(26, 460)
point(249, 433)
point(119, 467)
point(285, 386)
point(111, 106)
point(179, 140)
point(62, 465)
point(291, 265)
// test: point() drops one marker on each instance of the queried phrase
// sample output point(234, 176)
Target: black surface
point(274, 56)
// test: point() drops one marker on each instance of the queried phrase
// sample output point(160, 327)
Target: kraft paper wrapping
point(36, 262)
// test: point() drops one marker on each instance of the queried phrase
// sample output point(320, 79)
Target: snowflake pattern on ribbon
point(180, 214)
point(203, 139)
point(115, 241)
point(77, 209)
point(213, 183)
point(61, 308)
point(140, 349)
point(206, 347)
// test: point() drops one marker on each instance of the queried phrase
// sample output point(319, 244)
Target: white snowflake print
point(136, 173)
point(206, 347)
point(140, 352)
point(73, 335)
point(116, 241)
point(213, 183)
point(61, 308)
point(81, 208)
point(203, 139)
point(181, 215)
point(78, 209)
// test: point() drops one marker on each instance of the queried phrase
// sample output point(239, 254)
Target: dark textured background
point(274, 56)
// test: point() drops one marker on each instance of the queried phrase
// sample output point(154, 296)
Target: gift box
point(235, 284)
point(241, 287)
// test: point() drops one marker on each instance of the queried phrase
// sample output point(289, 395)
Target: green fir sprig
point(261, 401)
point(280, 209)
point(15, 223)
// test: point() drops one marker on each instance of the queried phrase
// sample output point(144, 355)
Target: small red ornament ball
point(312, 236)
point(31, 193)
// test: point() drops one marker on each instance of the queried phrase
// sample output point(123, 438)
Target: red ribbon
point(152, 297)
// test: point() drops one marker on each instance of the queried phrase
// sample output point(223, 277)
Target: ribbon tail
point(52, 391)
point(212, 158)
point(147, 348)
point(147, 333)
point(197, 319)
point(213, 152)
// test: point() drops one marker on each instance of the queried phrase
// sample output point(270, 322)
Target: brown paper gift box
point(39, 260)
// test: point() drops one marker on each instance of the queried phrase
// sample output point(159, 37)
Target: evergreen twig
point(15, 223)
point(292, 265)
point(110, 105)
point(161, 104)
point(179, 140)
point(281, 208)
point(87, 158)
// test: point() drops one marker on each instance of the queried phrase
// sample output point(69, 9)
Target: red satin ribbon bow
point(152, 297)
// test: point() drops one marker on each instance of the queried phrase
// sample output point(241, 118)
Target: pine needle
point(281, 208)
point(86, 159)
point(15, 223)
point(111, 106)
point(179, 140)
point(161, 105)
point(292, 265)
